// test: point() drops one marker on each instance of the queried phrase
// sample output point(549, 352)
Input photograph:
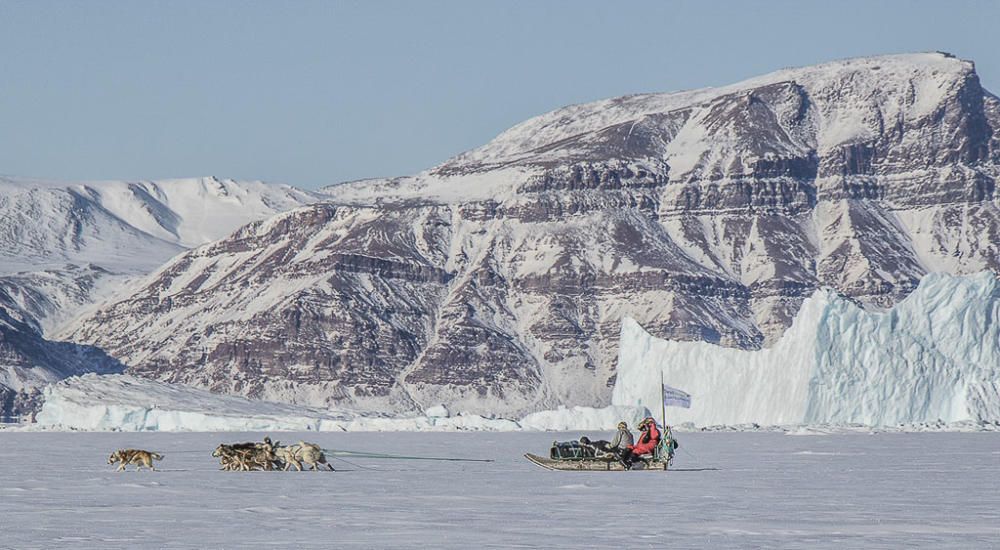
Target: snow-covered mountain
point(497, 281)
point(128, 227)
point(65, 245)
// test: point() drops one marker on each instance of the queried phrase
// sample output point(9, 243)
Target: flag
point(673, 397)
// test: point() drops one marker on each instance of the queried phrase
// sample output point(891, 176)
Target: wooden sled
point(595, 464)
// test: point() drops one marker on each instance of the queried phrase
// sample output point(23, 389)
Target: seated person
point(621, 444)
point(648, 440)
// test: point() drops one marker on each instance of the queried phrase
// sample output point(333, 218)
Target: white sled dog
point(138, 457)
point(310, 453)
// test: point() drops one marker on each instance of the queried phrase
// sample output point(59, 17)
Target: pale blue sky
point(312, 93)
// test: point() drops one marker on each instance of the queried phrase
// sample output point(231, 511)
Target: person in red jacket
point(649, 438)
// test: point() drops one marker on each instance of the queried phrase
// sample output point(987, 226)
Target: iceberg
point(935, 356)
point(583, 418)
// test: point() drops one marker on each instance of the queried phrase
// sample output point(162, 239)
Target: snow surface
point(428, 187)
point(728, 491)
point(934, 356)
point(437, 411)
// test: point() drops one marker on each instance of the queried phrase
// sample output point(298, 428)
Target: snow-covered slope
point(891, 88)
point(44, 300)
point(65, 245)
point(934, 356)
point(496, 282)
point(123, 226)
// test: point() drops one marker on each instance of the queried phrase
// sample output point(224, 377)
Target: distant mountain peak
point(496, 282)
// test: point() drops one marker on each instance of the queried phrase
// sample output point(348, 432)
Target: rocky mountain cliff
point(65, 245)
point(496, 282)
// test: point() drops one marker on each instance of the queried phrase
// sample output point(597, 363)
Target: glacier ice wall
point(582, 418)
point(125, 403)
point(934, 356)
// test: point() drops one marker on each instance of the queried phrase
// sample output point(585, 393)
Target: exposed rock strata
point(497, 281)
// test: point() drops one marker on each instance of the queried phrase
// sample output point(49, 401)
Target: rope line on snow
point(353, 464)
point(366, 454)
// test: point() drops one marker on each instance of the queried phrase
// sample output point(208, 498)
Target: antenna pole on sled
point(663, 402)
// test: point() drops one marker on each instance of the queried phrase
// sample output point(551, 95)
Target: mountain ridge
point(495, 282)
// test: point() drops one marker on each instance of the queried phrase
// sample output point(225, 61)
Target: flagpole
point(663, 402)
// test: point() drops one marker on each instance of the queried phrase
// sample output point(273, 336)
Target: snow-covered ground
point(729, 490)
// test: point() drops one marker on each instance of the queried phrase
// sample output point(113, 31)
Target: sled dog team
point(266, 455)
point(270, 456)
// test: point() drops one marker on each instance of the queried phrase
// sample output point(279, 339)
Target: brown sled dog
point(134, 456)
point(246, 456)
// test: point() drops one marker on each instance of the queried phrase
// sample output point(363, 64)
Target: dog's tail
point(156, 456)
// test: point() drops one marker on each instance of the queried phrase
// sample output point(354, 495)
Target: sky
point(314, 93)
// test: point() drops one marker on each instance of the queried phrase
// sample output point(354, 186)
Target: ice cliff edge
point(935, 355)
